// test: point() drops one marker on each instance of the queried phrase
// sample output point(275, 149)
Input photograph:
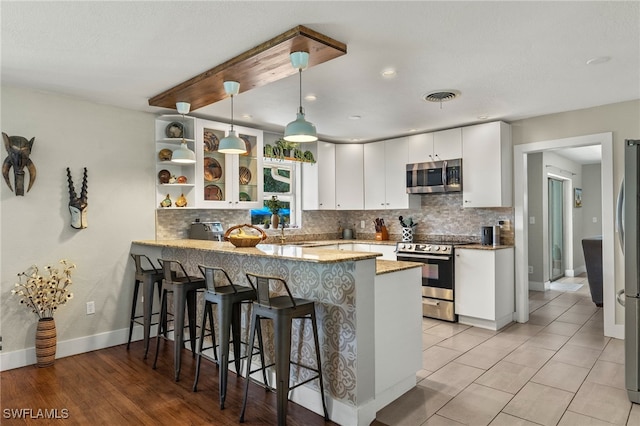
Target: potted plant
point(43, 295)
point(274, 205)
point(286, 147)
point(265, 222)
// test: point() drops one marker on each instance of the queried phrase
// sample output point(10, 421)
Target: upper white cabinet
point(228, 181)
point(487, 165)
point(319, 179)
point(384, 176)
point(349, 176)
point(436, 146)
point(174, 180)
point(447, 144)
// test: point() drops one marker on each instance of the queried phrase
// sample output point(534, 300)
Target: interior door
point(556, 229)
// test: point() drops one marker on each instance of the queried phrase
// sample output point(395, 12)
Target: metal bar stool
point(184, 290)
point(148, 277)
point(282, 310)
point(228, 299)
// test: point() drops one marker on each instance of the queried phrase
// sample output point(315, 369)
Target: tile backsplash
point(440, 216)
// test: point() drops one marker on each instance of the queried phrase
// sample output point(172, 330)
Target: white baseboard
point(536, 286)
point(24, 357)
point(575, 272)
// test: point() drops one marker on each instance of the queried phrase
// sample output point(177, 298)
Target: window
point(281, 179)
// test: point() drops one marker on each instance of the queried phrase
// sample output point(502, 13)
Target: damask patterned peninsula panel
point(333, 288)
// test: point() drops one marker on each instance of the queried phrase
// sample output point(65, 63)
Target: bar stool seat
point(146, 277)
point(184, 290)
point(282, 310)
point(228, 299)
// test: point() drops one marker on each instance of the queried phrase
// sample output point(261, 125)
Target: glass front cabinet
point(227, 181)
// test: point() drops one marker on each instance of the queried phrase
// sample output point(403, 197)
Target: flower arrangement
point(274, 205)
point(44, 294)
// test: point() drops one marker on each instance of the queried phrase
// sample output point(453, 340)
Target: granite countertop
point(388, 266)
point(332, 242)
point(482, 247)
point(293, 252)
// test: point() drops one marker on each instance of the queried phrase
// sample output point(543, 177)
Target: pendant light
point(183, 154)
point(300, 130)
point(232, 144)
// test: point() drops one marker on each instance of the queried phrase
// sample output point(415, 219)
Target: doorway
point(556, 228)
point(611, 328)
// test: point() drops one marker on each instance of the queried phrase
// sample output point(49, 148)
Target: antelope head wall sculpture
point(19, 149)
point(78, 205)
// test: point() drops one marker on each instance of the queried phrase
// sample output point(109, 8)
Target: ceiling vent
point(441, 96)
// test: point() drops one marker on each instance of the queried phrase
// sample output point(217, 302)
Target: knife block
point(383, 235)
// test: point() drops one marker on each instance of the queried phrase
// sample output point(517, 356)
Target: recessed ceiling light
point(389, 73)
point(354, 117)
point(483, 117)
point(355, 139)
point(412, 130)
point(247, 116)
point(310, 98)
point(598, 60)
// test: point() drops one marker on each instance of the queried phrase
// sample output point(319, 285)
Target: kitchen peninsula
point(368, 310)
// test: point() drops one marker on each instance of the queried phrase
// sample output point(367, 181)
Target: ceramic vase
point(275, 221)
point(46, 342)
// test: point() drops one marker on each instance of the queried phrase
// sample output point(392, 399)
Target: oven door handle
point(422, 256)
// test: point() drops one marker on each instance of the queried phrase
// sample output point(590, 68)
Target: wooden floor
point(114, 386)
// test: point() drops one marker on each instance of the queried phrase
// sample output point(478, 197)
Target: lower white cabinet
point(484, 287)
point(388, 251)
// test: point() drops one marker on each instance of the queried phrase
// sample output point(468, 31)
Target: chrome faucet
point(282, 237)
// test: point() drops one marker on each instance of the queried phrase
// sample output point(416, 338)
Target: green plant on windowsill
point(274, 205)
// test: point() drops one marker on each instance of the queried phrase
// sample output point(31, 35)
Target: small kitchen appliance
point(206, 231)
point(438, 276)
point(486, 235)
point(496, 235)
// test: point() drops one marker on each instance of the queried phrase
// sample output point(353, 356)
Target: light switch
point(595, 220)
point(532, 220)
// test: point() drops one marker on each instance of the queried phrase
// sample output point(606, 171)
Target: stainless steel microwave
point(434, 177)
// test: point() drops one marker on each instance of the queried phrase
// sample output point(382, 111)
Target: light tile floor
point(557, 369)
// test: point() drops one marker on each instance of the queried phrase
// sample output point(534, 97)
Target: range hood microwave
point(434, 177)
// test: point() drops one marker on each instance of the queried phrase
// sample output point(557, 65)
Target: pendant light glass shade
point(183, 154)
point(232, 144)
point(300, 130)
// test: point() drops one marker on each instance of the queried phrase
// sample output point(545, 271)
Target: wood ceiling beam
point(263, 64)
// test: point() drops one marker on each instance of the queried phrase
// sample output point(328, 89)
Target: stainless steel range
point(438, 276)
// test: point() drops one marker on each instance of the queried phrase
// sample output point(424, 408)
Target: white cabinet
point(388, 251)
point(436, 146)
point(349, 177)
point(485, 287)
point(487, 165)
point(228, 181)
point(385, 176)
point(319, 179)
point(174, 179)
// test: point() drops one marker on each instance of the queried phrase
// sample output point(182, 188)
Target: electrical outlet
point(91, 308)
point(595, 220)
point(531, 269)
point(532, 220)
point(362, 224)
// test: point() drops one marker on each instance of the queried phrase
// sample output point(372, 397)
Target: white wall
point(117, 147)
point(591, 200)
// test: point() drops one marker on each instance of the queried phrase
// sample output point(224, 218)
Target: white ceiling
point(509, 60)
